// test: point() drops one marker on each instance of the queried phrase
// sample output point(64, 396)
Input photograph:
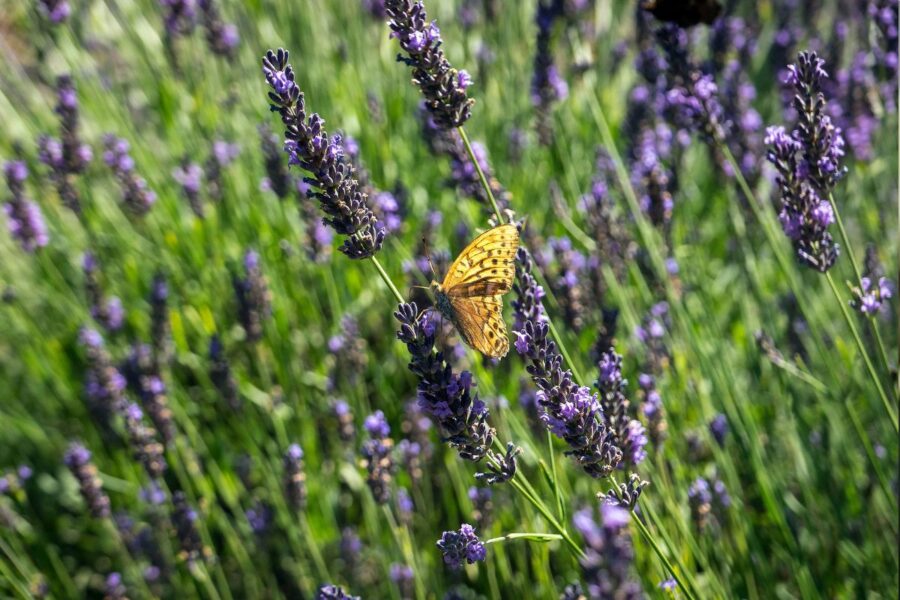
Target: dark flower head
point(568, 410)
point(333, 592)
point(377, 459)
point(444, 395)
point(443, 87)
point(461, 546)
point(331, 175)
point(56, 11)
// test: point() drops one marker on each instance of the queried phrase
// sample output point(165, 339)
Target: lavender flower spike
point(443, 86)
point(294, 477)
point(25, 220)
point(808, 161)
point(331, 175)
point(78, 459)
point(136, 196)
point(461, 546)
point(568, 410)
point(444, 395)
point(377, 458)
point(253, 297)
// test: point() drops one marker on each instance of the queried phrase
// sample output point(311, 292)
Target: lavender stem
point(689, 592)
point(862, 350)
point(484, 181)
point(858, 273)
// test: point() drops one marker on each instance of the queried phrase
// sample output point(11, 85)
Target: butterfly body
point(471, 294)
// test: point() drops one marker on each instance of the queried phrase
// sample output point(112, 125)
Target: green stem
point(573, 547)
point(534, 537)
point(481, 176)
point(688, 591)
point(858, 273)
point(556, 491)
point(862, 350)
point(387, 280)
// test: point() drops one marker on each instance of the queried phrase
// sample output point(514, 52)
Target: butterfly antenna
point(428, 256)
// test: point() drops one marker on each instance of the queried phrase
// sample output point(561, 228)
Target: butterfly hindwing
point(480, 321)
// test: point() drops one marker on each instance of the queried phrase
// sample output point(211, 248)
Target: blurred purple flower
point(78, 460)
point(24, 218)
point(808, 161)
point(609, 554)
point(136, 196)
point(56, 11)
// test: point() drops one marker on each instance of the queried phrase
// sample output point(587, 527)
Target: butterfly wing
point(486, 267)
point(474, 286)
point(480, 322)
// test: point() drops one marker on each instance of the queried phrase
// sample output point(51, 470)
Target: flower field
point(458, 299)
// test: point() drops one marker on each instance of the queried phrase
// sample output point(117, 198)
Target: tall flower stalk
point(808, 161)
point(345, 205)
point(67, 156)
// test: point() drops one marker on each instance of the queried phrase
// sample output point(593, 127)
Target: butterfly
point(684, 13)
point(471, 294)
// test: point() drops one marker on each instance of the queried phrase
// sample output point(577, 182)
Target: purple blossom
point(308, 146)
point(78, 460)
point(56, 11)
point(184, 521)
point(67, 156)
point(609, 554)
point(190, 176)
point(652, 409)
point(221, 375)
point(221, 37)
point(143, 440)
point(254, 303)
point(463, 174)
point(629, 433)
point(104, 384)
point(443, 87)
point(808, 164)
point(442, 394)
point(718, 427)
point(547, 86)
point(376, 452)
point(461, 546)
point(107, 311)
point(869, 297)
point(24, 218)
point(568, 410)
point(179, 17)
point(333, 592)
point(137, 198)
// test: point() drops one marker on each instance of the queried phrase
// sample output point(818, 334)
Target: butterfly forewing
point(489, 259)
point(474, 285)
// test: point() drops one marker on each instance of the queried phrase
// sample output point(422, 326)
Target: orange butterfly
point(471, 294)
